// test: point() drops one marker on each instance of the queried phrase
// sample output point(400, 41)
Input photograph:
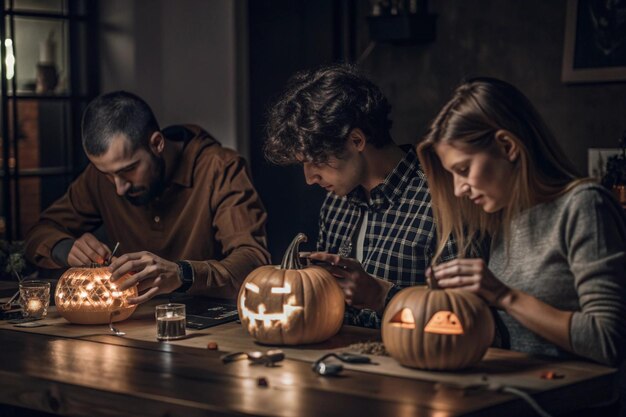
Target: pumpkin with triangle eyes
point(437, 329)
point(289, 304)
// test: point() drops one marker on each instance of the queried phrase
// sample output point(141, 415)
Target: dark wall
point(285, 36)
point(518, 41)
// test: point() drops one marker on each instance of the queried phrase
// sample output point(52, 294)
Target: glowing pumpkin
point(87, 296)
point(437, 329)
point(289, 304)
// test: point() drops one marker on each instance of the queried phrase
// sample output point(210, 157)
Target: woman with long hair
point(557, 268)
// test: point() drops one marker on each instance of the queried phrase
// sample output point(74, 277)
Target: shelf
point(44, 15)
point(41, 172)
point(35, 96)
point(403, 29)
point(48, 141)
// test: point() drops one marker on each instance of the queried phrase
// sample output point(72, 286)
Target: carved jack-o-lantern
point(437, 329)
point(87, 296)
point(289, 304)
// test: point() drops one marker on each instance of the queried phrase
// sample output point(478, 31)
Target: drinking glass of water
point(171, 321)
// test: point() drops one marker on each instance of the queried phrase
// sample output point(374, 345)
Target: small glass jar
point(34, 298)
point(171, 321)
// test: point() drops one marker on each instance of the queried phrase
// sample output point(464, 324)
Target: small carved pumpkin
point(437, 329)
point(289, 304)
point(87, 296)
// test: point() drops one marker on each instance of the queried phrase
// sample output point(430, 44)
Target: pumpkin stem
point(432, 283)
point(291, 260)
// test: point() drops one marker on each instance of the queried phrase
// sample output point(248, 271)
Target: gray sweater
point(571, 254)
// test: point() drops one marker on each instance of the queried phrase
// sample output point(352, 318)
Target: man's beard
point(147, 194)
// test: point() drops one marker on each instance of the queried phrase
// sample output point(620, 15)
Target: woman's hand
point(472, 275)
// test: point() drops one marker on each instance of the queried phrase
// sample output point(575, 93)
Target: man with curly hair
point(376, 228)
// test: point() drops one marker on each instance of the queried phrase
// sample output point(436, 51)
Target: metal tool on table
point(114, 329)
point(269, 358)
point(321, 367)
point(9, 304)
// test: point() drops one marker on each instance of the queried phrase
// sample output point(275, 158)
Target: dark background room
point(220, 64)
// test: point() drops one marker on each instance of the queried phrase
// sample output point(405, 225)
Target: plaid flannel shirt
point(400, 237)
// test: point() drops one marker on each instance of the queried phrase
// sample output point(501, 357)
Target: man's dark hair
point(114, 113)
point(313, 117)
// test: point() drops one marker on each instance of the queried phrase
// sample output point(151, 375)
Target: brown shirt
point(209, 214)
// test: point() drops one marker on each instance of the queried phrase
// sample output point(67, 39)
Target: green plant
point(12, 262)
point(616, 167)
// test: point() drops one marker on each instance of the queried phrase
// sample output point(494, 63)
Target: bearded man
point(182, 207)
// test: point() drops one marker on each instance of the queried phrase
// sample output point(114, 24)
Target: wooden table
point(104, 375)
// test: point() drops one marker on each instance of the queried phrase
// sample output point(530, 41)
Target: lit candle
point(34, 305)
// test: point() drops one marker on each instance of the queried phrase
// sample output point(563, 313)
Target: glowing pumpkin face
point(87, 296)
point(444, 322)
point(291, 305)
point(272, 304)
point(437, 329)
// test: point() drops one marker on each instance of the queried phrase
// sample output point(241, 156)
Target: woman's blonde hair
point(478, 109)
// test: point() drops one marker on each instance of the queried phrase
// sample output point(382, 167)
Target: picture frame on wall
point(595, 41)
point(596, 161)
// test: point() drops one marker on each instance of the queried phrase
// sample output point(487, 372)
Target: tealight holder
point(34, 298)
